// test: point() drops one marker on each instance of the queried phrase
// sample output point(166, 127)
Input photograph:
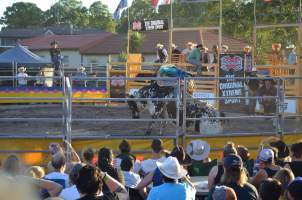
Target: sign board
point(197, 1)
point(205, 95)
point(231, 66)
point(150, 25)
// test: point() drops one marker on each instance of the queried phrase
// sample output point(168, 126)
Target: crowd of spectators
point(99, 175)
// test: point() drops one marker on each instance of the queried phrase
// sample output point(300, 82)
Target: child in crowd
point(131, 179)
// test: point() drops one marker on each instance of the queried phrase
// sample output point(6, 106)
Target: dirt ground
point(111, 128)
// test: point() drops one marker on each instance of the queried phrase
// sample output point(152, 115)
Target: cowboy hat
point(225, 46)
point(292, 46)
point(173, 45)
point(198, 149)
point(159, 45)
point(82, 68)
point(247, 47)
point(21, 69)
point(189, 44)
point(54, 42)
point(171, 168)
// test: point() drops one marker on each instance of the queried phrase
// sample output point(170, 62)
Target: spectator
point(175, 50)
point(296, 159)
point(149, 165)
point(285, 176)
point(277, 57)
point(188, 49)
point(88, 157)
point(294, 190)
point(205, 55)
point(125, 151)
point(40, 80)
point(162, 54)
point(224, 193)
point(56, 58)
point(90, 182)
point(253, 87)
point(270, 189)
point(105, 158)
point(58, 162)
point(292, 55)
point(131, 179)
point(248, 60)
point(199, 151)
point(235, 177)
point(224, 49)
point(71, 193)
point(80, 76)
point(156, 176)
point(268, 89)
point(267, 167)
point(217, 171)
point(248, 163)
point(12, 165)
point(283, 152)
point(171, 189)
point(22, 76)
point(35, 172)
point(213, 56)
point(194, 58)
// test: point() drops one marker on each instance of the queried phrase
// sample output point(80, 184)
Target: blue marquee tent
point(21, 55)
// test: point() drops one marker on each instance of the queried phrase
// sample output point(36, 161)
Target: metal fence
point(181, 99)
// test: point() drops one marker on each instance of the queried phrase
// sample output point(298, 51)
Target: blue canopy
point(21, 55)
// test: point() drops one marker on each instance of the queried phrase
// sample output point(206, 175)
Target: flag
point(156, 3)
point(124, 4)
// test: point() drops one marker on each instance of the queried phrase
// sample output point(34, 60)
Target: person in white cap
point(267, 167)
point(188, 49)
point(199, 151)
point(172, 189)
point(162, 54)
point(22, 76)
point(224, 49)
point(292, 56)
point(175, 50)
point(81, 74)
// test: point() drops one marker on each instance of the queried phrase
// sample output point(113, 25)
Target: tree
point(22, 15)
point(67, 12)
point(100, 17)
point(140, 9)
point(136, 42)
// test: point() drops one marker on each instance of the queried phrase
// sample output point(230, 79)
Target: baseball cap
point(266, 154)
point(232, 161)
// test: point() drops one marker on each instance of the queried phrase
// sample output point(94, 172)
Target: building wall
point(71, 58)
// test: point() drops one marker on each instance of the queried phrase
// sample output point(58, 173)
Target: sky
point(45, 4)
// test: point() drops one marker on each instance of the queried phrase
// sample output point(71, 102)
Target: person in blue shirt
point(292, 56)
point(171, 188)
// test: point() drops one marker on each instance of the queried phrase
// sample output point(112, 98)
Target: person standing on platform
point(162, 54)
point(194, 58)
point(55, 55)
point(292, 55)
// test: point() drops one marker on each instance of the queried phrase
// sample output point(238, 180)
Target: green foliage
point(100, 17)
point(136, 42)
point(22, 15)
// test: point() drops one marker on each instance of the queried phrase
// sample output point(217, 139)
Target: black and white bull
point(167, 109)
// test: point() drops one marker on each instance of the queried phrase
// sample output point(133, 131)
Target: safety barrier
point(181, 134)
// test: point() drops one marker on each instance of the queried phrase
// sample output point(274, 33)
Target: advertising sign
point(150, 25)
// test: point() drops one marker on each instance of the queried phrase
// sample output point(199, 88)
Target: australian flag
point(120, 8)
